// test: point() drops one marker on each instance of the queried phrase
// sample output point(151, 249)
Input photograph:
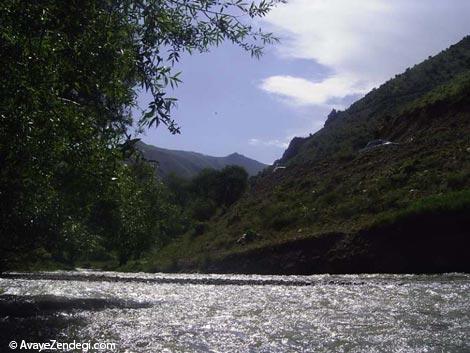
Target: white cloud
point(362, 42)
point(269, 143)
point(304, 92)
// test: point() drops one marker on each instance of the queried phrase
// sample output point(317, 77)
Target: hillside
point(187, 164)
point(341, 207)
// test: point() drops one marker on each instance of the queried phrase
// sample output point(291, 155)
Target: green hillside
point(338, 206)
point(368, 118)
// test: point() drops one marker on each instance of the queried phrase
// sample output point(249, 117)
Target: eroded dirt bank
point(421, 244)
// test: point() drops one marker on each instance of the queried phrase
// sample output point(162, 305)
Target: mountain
point(187, 164)
point(383, 187)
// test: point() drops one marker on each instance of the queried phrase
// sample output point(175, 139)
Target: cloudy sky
point(332, 52)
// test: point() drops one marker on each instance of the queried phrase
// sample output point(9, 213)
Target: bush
point(199, 228)
point(280, 216)
point(203, 209)
point(345, 154)
point(459, 179)
point(250, 235)
point(439, 204)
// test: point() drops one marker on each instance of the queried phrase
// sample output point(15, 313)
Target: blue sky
point(332, 52)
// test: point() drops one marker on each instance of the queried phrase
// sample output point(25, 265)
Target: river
point(238, 313)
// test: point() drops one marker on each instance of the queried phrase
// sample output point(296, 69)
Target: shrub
point(459, 179)
point(203, 209)
point(199, 228)
point(280, 216)
point(250, 235)
point(437, 204)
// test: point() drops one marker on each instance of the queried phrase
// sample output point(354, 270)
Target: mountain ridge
point(381, 103)
point(187, 164)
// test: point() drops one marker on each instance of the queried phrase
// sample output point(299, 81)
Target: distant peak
point(235, 154)
point(187, 164)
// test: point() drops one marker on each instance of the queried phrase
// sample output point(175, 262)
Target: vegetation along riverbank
point(384, 186)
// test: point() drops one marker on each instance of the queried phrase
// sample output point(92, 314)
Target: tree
point(167, 28)
point(212, 189)
point(70, 73)
point(233, 183)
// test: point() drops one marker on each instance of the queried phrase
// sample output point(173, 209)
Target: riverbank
point(431, 236)
point(421, 245)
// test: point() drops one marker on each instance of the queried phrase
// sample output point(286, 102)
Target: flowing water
point(237, 313)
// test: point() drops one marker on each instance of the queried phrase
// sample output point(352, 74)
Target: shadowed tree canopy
point(70, 73)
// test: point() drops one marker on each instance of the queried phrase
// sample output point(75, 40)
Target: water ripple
point(237, 313)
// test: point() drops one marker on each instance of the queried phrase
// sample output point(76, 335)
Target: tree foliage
point(209, 191)
point(70, 73)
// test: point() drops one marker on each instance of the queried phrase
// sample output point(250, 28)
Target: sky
point(331, 53)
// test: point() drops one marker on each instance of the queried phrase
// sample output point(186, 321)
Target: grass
point(329, 187)
point(437, 205)
point(373, 190)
